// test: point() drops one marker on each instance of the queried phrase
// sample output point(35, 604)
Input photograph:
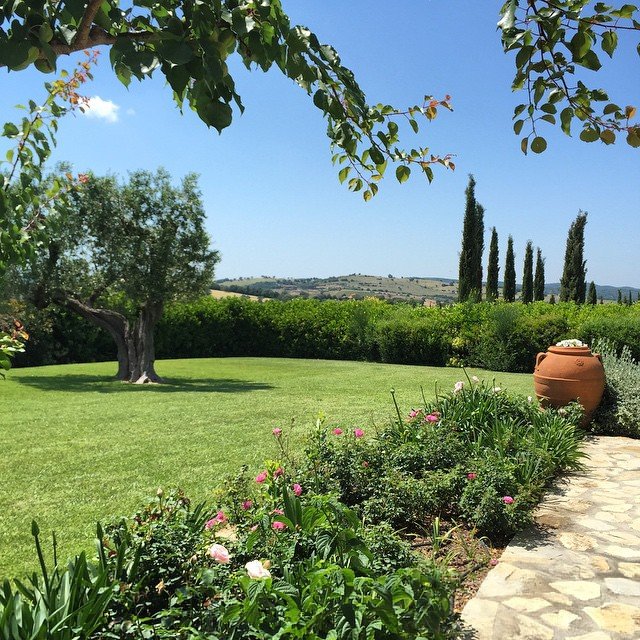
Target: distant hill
point(353, 286)
point(417, 290)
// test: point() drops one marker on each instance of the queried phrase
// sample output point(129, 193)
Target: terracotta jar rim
point(570, 351)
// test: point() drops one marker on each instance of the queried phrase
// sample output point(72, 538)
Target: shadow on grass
point(105, 384)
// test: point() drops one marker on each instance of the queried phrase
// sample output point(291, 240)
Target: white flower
point(457, 388)
point(529, 399)
point(497, 389)
point(219, 553)
point(573, 342)
point(256, 570)
point(475, 379)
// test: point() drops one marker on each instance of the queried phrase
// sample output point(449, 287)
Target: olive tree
point(121, 253)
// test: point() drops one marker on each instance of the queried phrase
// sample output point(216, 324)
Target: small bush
point(619, 412)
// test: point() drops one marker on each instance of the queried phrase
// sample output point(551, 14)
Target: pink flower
point(257, 570)
point(432, 417)
point(365, 464)
point(493, 562)
point(358, 433)
point(219, 553)
point(277, 432)
point(247, 504)
point(278, 472)
point(413, 413)
point(471, 476)
point(458, 386)
point(278, 512)
point(507, 499)
point(278, 526)
point(261, 477)
point(253, 528)
point(337, 431)
point(219, 518)
point(297, 489)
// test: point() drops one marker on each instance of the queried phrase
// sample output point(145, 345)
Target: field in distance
point(353, 286)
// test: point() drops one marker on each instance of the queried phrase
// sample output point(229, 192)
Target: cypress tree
point(538, 279)
point(592, 296)
point(527, 274)
point(573, 285)
point(493, 267)
point(470, 270)
point(619, 296)
point(478, 250)
point(509, 290)
point(552, 299)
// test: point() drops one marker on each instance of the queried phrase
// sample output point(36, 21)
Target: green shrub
point(619, 412)
point(621, 331)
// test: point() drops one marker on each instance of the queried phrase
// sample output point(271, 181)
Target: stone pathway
point(576, 574)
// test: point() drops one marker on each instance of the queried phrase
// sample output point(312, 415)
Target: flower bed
point(308, 547)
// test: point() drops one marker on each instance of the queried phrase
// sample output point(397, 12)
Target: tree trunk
point(135, 344)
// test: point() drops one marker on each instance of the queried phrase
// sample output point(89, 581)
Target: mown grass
point(77, 446)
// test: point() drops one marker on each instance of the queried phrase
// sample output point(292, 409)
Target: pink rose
point(297, 489)
point(278, 472)
point(493, 562)
point(413, 413)
point(278, 512)
point(261, 477)
point(219, 518)
point(507, 499)
point(278, 526)
point(277, 432)
point(471, 476)
point(253, 528)
point(247, 504)
point(458, 386)
point(432, 417)
point(358, 433)
point(219, 553)
point(337, 431)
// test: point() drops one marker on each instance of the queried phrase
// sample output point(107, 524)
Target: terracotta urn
point(565, 374)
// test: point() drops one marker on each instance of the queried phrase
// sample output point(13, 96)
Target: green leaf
point(343, 174)
point(580, 45)
point(538, 144)
point(609, 42)
point(589, 135)
point(565, 120)
point(607, 136)
point(633, 139)
point(517, 126)
point(524, 143)
point(214, 113)
point(414, 125)
point(402, 173)
point(376, 155)
point(590, 61)
point(547, 117)
point(549, 108)
point(611, 108)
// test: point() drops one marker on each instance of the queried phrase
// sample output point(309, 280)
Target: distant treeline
point(498, 336)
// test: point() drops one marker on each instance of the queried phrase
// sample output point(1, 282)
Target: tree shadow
point(104, 384)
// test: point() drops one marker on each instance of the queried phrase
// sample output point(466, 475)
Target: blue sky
point(273, 200)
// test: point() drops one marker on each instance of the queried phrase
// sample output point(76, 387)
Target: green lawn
point(78, 447)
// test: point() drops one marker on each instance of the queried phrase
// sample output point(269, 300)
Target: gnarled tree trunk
point(135, 342)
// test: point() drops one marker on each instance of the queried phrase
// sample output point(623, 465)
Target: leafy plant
point(619, 412)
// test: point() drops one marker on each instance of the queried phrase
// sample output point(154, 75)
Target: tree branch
point(82, 34)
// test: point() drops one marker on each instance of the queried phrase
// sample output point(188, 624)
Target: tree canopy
point(121, 253)
point(556, 42)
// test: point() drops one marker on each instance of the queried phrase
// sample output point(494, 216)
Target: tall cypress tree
point(592, 296)
point(573, 285)
point(527, 274)
point(470, 270)
point(478, 250)
point(509, 290)
point(538, 279)
point(493, 267)
point(619, 296)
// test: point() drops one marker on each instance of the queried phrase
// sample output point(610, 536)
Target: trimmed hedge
point(501, 336)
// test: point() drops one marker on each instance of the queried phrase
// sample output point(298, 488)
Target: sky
point(273, 200)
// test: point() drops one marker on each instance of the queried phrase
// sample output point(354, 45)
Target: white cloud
point(107, 110)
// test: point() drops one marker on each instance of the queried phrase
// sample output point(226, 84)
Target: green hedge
point(501, 337)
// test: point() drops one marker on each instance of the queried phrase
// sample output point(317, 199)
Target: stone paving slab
point(575, 575)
